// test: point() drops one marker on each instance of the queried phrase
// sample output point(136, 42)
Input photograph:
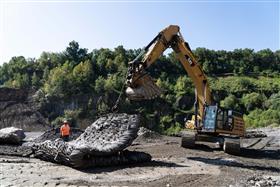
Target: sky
point(29, 27)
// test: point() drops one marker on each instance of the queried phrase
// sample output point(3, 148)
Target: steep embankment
point(17, 110)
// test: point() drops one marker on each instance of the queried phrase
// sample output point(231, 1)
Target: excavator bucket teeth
point(144, 88)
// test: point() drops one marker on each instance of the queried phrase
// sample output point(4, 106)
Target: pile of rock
point(263, 181)
point(255, 134)
point(147, 136)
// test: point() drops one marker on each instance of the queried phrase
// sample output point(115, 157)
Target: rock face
point(101, 144)
point(16, 110)
point(11, 135)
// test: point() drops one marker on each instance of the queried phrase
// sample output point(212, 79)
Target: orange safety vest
point(65, 130)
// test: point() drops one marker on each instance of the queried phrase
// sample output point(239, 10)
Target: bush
point(166, 121)
point(259, 118)
point(174, 129)
point(230, 102)
point(253, 100)
point(57, 122)
point(273, 102)
point(72, 116)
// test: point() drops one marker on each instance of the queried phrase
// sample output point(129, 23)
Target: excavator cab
point(216, 118)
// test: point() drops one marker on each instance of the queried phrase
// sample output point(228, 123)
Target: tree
point(265, 58)
point(60, 82)
point(74, 53)
point(253, 100)
point(104, 57)
point(230, 102)
point(83, 76)
point(183, 86)
point(99, 85)
point(46, 73)
point(35, 80)
point(273, 102)
point(19, 81)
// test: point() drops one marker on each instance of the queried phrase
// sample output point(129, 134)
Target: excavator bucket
point(142, 87)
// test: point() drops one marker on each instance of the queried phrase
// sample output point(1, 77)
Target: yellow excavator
point(211, 122)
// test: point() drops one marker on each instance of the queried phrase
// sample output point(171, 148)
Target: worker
point(65, 131)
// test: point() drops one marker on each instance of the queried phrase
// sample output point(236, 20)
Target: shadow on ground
point(234, 163)
point(152, 163)
point(260, 153)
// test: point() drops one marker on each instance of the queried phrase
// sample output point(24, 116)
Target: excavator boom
point(141, 86)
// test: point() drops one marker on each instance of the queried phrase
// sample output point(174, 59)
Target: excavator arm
point(140, 86)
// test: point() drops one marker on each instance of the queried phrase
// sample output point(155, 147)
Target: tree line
point(243, 79)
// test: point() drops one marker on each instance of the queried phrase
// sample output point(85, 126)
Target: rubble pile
point(255, 134)
point(101, 144)
point(147, 136)
point(263, 181)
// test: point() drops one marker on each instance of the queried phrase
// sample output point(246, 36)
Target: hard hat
point(65, 121)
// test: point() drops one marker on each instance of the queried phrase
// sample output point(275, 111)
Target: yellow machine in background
point(211, 123)
point(190, 124)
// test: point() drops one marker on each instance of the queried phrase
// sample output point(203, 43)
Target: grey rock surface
point(11, 135)
point(17, 110)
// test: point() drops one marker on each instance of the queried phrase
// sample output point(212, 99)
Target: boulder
point(11, 135)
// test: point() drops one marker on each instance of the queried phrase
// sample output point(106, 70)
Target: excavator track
point(188, 139)
point(231, 146)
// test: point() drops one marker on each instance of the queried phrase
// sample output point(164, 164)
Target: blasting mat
point(101, 144)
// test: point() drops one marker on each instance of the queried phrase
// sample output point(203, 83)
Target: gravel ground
point(171, 165)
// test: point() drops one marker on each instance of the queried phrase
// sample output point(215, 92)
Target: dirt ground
point(172, 165)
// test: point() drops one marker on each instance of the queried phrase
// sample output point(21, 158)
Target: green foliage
point(260, 118)
point(72, 116)
point(60, 81)
point(253, 101)
point(164, 85)
point(35, 81)
point(46, 73)
point(241, 79)
point(174, 129)
point(57, 122)
point(74, 53)
point(183, 86)
point(83, 76)
point(113, 83)
point(273, 102)
point(19, 81)
point(166, 122)
point(230, 102)
point(168, 126)
point(99, 85)
point(102, 108)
